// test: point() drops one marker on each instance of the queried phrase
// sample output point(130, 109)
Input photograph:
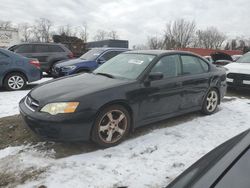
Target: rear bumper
point(61, 127)
point(56, 73)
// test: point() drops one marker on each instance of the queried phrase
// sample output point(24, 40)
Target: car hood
point(72, 62)
point(242, 68)
point(221, 56)
point(72, 87)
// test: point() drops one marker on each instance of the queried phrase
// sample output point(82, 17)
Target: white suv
point(238, 73)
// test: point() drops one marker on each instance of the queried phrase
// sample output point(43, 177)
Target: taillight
point(35, 63)
point(71, 55)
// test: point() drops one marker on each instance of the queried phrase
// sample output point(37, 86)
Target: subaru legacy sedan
point(132, 89)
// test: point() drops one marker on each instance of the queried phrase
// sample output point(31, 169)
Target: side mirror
point(101, 60)
point(155, 76)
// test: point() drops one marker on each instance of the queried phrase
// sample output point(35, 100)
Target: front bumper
point(238, 80)
point(61, 127)
point(57, 72)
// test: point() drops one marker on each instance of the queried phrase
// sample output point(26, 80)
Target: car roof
point(41, 43)
point(160, 52)
point(110, 48)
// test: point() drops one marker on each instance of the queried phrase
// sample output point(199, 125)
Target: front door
point(162, 97)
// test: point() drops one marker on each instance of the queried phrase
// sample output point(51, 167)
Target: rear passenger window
point(55, 48)
point(108, 55)
point(24, 49)
point(41, 48)
point(192, 65)
point(204, 65)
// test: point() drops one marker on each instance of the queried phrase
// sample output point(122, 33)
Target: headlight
point(68, 68)
point(60, 108)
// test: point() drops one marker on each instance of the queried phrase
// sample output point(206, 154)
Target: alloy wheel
point(16, 82)
point(212, 101)
point(112, 126)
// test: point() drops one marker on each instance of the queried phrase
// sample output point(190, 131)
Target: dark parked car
point(47, 53)
point(16, 70)
point(219, 58)
point(128, 91)
point(87, 62)
point(227, 166)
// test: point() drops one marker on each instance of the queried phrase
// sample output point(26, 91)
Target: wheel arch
point(14, 71)
point(122, 103)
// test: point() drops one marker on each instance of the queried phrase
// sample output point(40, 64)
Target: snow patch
point(150, 160)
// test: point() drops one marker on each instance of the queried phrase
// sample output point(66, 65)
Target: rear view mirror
point(155, 76)
point(101, 60)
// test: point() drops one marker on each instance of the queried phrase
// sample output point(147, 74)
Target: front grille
point(31, 103)
point(237, 76)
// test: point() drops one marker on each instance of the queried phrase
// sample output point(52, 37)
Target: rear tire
point(111, 126)
point(210, 102)
point(15, 81)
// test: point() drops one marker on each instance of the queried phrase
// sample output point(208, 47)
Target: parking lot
point(118, 94)
point(154, 154)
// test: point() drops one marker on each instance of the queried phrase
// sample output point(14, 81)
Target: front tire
point(111, 126)
point(15, 81)
point(210, 102)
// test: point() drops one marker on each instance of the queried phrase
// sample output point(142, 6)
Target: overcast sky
point(133, 19)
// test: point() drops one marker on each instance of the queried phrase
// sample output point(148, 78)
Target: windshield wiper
point(105, 74)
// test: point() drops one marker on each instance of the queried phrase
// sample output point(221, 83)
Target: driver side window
point(169, 65)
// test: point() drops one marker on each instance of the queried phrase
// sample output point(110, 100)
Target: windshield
point(128, 66)
point(92, 54)
point(244, 59)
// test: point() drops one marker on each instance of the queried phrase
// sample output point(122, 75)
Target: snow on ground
point(9, 99)
point(150, 160)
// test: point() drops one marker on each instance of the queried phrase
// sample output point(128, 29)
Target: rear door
point(195, 81)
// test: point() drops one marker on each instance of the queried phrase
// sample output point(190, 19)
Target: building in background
point(8, 37)
point(107, 44)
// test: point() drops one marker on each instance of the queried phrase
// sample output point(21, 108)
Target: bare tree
point(36, 34)
point(103, 35)
point(155, 43)
point(179, 34)
point(140, 47)
point(210, 38)
point(84, 32)
point(100, 35)
point(113, 35)
point(25, 31)
point(67, 30)
point(5, 24)
point(42, 30)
